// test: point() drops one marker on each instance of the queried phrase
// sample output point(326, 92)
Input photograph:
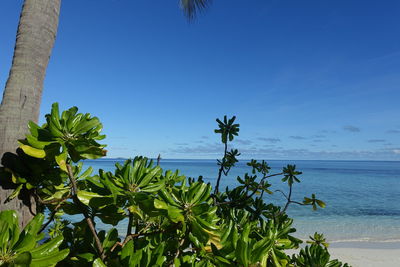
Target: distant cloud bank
point(351, 128)
point(212, 150)
point(297, 137)
point(376, 141)
point(271, 140)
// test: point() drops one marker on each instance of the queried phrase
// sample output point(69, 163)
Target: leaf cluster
point(26, 248)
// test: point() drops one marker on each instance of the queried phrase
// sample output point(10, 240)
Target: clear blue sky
point(307, 79)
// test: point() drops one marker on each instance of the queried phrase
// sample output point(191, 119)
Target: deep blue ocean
point(362, 197)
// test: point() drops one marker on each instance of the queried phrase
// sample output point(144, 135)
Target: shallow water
point(362, 197)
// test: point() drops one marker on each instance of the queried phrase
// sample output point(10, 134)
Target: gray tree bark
point(22, 95)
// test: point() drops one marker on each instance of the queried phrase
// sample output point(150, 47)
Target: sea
point(362, 197)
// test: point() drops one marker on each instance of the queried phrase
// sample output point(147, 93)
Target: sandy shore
point(367, 257)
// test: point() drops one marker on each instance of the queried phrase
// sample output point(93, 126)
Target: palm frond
point(192, 7)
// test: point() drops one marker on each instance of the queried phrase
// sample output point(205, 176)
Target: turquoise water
point(362, 196)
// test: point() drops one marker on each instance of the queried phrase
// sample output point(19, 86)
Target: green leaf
point(127, 254)
point(33, 152)
point(9, 222)
point(207, 225)
point(15, 193)
point(32, 140)
point(61, 160)
point(156, 172)
point(242, 252)
point(85, 197)
point(201, 209)
point(34, 225)
point(34, 128)
point(175, 214)
point(50, 259)
point(26, 242)
point(321, 203)
point(70, 208)
point(98, 263)
point(55, 115)
point(85, 126)
point(261, 249)
point(47, 248)
point(23, 260)
point(89, 257)
point(86, 173)
point(204, 189)
point(199, 232)
point(177, 262)
point(167, 197)
point(111, 239)
point(111, 215)
point(158, 204)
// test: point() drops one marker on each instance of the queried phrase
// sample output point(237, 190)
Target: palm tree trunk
point(23, 92)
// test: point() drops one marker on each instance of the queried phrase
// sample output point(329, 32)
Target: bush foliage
point(170, 220)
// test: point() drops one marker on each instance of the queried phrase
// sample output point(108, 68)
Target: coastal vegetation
point(36, 35)
point(171, 220)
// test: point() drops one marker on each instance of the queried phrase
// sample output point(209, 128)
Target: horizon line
point(377, 160)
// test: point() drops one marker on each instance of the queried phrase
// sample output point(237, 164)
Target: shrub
point(172, 220)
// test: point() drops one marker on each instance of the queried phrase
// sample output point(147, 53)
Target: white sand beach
point(367, 257)
point(366, 254)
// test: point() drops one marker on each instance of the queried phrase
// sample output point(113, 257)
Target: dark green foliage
point(290, 173)
point(318, 239)
point(315, 256)
point(227, 129)
point(171, 220)
point(314, 202)
point(26, 248)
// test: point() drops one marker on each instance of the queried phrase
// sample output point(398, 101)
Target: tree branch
point(178, 249)
point(299, 203)
point(271, 175)
point(132, 236)
point(51, 217)
point(288, 199)
point(221, 169)
point(88, 219)
point(129, 230)
point(51, 201)
point(282, 193)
